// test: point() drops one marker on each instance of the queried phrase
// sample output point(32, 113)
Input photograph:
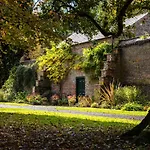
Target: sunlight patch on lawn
point(100, 110)
point(40, 118)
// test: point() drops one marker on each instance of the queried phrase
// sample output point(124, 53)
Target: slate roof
point(78, 38)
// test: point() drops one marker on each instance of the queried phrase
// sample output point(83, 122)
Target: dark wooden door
point(80, 86)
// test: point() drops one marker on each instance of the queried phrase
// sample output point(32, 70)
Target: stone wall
point(135, 63)
point(69, 84)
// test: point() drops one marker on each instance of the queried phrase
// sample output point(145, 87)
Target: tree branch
point(104, 32)
point(120, 16)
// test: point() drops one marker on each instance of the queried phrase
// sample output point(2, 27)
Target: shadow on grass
point(60, 120)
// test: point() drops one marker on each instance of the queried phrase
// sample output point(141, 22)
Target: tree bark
point(139, 128)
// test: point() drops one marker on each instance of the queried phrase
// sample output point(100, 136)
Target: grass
point(13, 103)
point(9, 116)
point(100, 110)
point(30, 129)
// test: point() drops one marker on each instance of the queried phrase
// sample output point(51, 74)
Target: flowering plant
point(54, 99)
point(35, 99)
point(71, 100)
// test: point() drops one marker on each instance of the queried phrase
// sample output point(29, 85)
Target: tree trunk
point(139, 128)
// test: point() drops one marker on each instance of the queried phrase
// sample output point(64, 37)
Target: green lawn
point(110, 111)
point(87, 109)
point(41, 118)
point(15, 104)
point(40, 129)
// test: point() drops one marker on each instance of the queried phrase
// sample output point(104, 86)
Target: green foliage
point(36, 99)
point(107, 95)
point(84, 101)
point(7, 88)
point(90, 16)
point(20, 97)
point(93, 59)
point(95, 105)
point(63, 102)
point(54, 99)
point(71, 100)
point(1, 96)
point(132, 107)
point(24, 78)
point(129, 94)
point(105, 104)
point(23, 28)
point(57, 61)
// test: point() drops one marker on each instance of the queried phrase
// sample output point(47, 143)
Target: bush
point(36, 99)
point(104, 104)
point(54, 99)
point(1, 96)
point(84, 101)
point(129, 94)
point(95, 105)
point(20, 97)
point(71, 100)
point(132, 107)
point(97, 95)
point(24, 78)
point(63, 102)
point(107, 94)
point(7, 88)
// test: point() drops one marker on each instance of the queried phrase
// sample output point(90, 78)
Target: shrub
point(132, 107)
point(95, 105)
point(24, 78)
point(84, 101)
point(20, 97)
point(63, 102)
point(107, 94)
point(71, 100)
point(54, 99)
point(104, 104)
point(7, 88)
point(1, 96)
point(36, 99)
point(128, 94)
point(97, 95)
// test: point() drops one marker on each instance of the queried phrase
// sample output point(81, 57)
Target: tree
point(12, 41)
point(22, 29)
point(90, 16)
point(22, 26)
point(57, 62)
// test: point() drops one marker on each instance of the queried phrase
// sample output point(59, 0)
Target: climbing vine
point(57, 61)
point(93, 59)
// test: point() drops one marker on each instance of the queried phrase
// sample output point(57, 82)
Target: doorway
point(80, 86)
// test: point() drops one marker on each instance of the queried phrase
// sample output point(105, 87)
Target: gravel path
point(53, 109)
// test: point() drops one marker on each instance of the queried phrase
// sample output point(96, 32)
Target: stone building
point(78, 83)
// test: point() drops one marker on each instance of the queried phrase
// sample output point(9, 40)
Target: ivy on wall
point(93, 59)
point(57, 61)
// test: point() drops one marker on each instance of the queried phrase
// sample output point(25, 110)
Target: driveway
point(54, 109)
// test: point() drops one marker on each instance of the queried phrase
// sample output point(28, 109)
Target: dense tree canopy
point(26, 23)
point(89, 16)
point(22, 26)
